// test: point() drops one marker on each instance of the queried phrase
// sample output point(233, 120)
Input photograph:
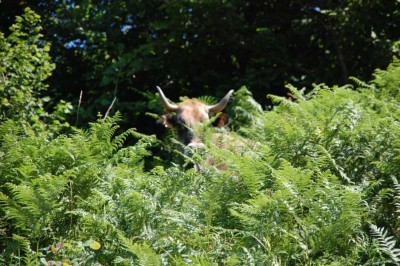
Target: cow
point(188, 119)
point(190, 115)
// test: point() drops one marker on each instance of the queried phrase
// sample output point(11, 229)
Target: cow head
point(189, 117)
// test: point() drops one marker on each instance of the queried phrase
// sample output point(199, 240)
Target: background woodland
point(124, 49)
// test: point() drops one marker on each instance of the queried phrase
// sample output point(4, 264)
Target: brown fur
point(192, 112)
point(189, 115)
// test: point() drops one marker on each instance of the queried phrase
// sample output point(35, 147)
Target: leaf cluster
point(25, 64)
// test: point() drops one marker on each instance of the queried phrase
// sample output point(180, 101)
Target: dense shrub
point(25, 64)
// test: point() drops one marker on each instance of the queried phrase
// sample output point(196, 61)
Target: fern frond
point(386, 243)
point(297, 94)
point(207, 99)
point(32, 205)
point(245, 110)
point(144, 253)
point(24, 248)
point(14, 211)
point(119, 140)
point(325, 156)
point(8, 129)
point(396, 186)
point(361, 83)
point(280, 100)
point(249, 257)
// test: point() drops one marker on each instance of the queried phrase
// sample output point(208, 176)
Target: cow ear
point(222, 120)
point(168, 120)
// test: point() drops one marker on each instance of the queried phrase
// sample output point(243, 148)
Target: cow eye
point(180, 121)
point(173, 120)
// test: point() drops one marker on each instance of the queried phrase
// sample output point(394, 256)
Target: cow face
point(189, 116)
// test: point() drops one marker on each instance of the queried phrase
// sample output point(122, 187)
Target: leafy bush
point(25, 64)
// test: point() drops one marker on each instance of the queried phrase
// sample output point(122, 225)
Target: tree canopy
point(124, 49)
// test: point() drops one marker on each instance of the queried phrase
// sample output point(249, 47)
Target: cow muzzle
point(196, 145)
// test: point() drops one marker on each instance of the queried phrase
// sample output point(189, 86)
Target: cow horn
point(167, 105)
point(221, 105)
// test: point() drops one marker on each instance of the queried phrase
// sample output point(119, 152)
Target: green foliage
point(313, 182)
point(386, 244)
point(57, 188)
point(25, 64)
point(304, 217)
point(145, 254)
point(245, 111)
point(388, 80)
